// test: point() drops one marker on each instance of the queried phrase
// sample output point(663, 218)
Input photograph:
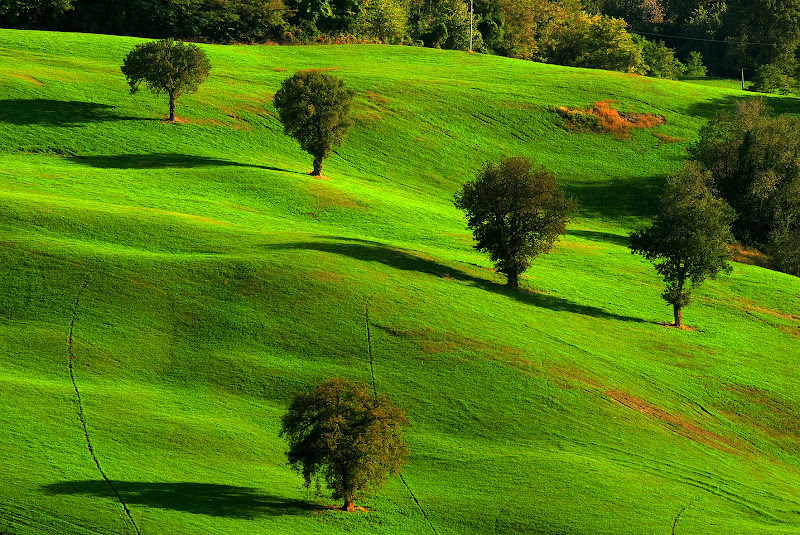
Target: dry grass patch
point(26, 78)
point(376, 98)
point(602, 117)
point(664, 138)
point(440, 342)
point(748, 255)
point(327, 197)
point(675, 423)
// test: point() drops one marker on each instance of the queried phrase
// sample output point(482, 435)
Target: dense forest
point(663, 38)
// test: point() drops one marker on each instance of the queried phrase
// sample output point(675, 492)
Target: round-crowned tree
point(516, 211)
point(689, 239)
point(349, 437)
point(314, 108)
point(166, 66)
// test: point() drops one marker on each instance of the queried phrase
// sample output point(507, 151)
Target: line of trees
point(761, 36)
point(564, 32)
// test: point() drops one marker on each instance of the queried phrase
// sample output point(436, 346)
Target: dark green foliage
point(516, 211)
point(755, 162)
point(773, 79)
point(353, 439)
point(660, 59)
point(596, 42)
point(31, 13)
point(784, 250)
point(166, 66)
point(775, 22)
point(694, 65)
point(442, 24)
point(314, 108)
point(224, 22)
point(689, 238)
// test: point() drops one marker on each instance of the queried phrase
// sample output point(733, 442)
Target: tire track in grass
point(375, 393)
point(675, 522)
point(81, 415)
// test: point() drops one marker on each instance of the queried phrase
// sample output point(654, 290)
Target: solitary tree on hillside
point(516, 211)
point(352, 439)
point(314, 108)
point(166, 66)
point(689, 238)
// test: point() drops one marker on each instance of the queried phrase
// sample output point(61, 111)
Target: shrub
point(694, 65)
point(660, 59)
point(773, 79)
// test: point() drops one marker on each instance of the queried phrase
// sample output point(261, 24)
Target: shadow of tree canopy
point(48, 112)
point(162, 160)
point(778, 104)
point(197, 498)
point(606, 237)
point(370, 251)
point(617, 198)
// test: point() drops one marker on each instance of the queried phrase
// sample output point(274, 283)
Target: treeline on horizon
point(674, 36)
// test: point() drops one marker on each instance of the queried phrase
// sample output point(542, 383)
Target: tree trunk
point(348, 505)
point(676, 309)
point(317, 166)
point(513, 280)
point(171, 108)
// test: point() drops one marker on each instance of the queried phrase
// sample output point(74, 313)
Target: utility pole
point(471, 18)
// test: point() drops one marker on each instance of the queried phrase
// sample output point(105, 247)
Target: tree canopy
point(166, 66)
point(516, 211)
point(754, 160)
point(314, 108)
point(689, 238)
point(349, 437)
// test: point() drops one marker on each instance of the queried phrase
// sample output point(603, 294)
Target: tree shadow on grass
point(58, 112)
point(617, 198)
point(370, 251)
point(197, 498)
point(708, 109)
point(607, 237)
point(162, 160)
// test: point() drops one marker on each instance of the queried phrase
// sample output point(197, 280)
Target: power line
point(707, 40)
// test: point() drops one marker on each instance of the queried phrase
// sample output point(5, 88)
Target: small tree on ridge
point(314, 108)
point(166, 66)
point(353, 439)
point(516, 211)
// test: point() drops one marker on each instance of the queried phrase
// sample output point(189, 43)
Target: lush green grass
point(207, 278)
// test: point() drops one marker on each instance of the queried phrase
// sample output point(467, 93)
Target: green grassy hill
point(194, 277)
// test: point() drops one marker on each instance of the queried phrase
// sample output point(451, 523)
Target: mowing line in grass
point(81, 416)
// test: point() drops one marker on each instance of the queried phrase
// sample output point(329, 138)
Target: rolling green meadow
point(194, 277)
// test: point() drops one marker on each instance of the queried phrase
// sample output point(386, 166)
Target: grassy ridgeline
point(206, 278)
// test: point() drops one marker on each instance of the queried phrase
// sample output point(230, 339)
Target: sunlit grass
point(219, 278)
